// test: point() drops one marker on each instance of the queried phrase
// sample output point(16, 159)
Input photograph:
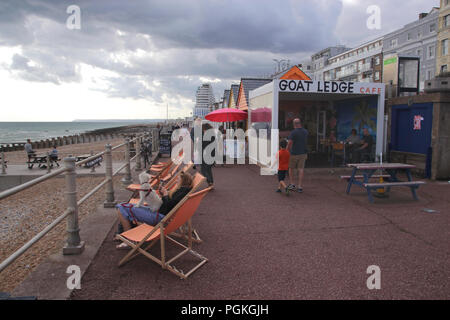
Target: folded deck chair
point(148, 235)
point(154, 182)
point(169, 178)
point(178, 159)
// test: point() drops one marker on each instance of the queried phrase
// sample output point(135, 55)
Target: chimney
point(422, 15)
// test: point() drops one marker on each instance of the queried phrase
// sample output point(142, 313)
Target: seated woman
point(129, 214)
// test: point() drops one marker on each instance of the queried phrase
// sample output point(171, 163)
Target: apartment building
point(361, 64)
point(204, 100)
point(320, 60)
point(443, 36)
point(416, 39)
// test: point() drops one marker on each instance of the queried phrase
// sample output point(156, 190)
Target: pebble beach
point(25, 214)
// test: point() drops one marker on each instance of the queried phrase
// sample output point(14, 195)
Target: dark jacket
point(207, 143)
point(169, 203)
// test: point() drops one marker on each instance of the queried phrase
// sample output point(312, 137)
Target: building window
point(444, 44)
point(377, 75)
point(419, 53)
point(409, 37)
point(447, 20)
point(394, 43)
point(443, 68)
point(433, 27)
point(377, 61)
point(430, 52)
point(419, 34)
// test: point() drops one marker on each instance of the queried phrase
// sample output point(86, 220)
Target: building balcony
point(366, 67)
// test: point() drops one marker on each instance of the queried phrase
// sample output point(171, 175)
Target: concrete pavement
point(315, 245)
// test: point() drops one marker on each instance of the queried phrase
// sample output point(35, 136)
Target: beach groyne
point(87, 137)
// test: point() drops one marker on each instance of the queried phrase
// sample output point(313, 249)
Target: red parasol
point(226, 115)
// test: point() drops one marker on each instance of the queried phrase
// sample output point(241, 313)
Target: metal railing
point(74, 245)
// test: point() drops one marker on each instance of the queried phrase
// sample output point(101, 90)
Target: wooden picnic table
point(41, 161)
point(369, 169)
point(91, 163)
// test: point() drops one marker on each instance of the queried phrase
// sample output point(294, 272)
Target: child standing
point(283, 156)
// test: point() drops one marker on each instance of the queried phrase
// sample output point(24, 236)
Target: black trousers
point(206, 171)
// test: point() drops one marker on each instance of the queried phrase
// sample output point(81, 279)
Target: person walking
point(29, 149)
point(206, 169)
point(283, 157)
point(297, 146)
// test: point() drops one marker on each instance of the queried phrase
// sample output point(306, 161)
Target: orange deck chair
point(169, 185)
point(154, 181)
point(176, 160)
point(184, 231)
point(149, 235)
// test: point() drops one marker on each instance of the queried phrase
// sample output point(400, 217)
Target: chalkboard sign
point(165, 145)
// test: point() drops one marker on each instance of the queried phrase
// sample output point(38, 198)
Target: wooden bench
point(6, 162)
point(41, 161)
point(362, 177)
point(411, 184)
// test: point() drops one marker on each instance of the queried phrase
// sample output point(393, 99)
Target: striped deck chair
point(148, 235)
point(154, 182)
point(161, 167)
point(169, 185)
point(177, 160)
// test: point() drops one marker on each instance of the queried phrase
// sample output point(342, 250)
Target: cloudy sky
point(130, 59)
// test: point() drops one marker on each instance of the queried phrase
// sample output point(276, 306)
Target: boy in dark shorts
point(283, 157)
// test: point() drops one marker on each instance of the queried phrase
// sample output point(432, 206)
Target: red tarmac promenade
point(315, 245)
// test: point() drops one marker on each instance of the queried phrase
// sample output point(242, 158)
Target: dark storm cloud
point(176, 43)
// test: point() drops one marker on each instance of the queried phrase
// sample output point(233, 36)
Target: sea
point(11, 132)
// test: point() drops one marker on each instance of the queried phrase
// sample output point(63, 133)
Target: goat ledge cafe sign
point(338, 87)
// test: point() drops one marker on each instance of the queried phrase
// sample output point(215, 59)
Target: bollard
point(138, 155)
point(109, 202)
point(3, 162)
point(93, 167)
point(73, 245)
point(48, 162)
point(127, 179)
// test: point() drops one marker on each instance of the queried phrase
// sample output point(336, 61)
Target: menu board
point(165, 146)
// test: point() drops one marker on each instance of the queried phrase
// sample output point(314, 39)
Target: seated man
point(365, 148)
point(353, 138)
point(54, 154)
point(353, 142)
